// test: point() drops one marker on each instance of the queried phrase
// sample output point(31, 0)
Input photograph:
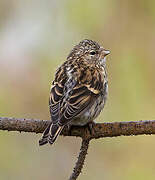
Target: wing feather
point(73, 94)
point(80, 100)
point(56, 95)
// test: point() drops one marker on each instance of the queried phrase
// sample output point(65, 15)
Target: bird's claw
point(91, 127)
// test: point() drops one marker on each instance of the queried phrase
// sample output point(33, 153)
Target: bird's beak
point(106, 52)
point(103, 55)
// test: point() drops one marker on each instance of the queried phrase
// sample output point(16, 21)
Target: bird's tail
point(50, 134)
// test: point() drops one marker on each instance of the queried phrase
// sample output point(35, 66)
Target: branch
point(100, 130)
point(81, 158)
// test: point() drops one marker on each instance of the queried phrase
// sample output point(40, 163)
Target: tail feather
point(50, 134)
point(44, 139)
point(54, 133)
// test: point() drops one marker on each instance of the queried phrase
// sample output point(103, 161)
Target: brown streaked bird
point(79, 90)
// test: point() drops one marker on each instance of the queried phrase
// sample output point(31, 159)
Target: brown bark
point(81, 158)
point(111, 129)
point(99, 130)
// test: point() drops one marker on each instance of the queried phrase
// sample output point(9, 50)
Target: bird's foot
point(91, 127)
point(69, 128)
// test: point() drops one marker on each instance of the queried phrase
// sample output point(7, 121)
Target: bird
point(79, 90)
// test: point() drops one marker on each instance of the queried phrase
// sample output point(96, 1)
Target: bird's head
point(89, 51)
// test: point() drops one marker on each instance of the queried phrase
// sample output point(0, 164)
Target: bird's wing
point(81, 94)
point(57, 94)
point(73, 93)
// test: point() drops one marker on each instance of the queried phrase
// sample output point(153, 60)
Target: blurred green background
point(35, 37)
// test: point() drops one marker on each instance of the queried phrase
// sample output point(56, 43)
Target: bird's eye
point(92, 53)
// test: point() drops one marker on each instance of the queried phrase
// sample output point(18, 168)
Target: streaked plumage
point(79, 90)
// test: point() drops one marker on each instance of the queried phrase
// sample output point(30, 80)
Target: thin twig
point(81, 158)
